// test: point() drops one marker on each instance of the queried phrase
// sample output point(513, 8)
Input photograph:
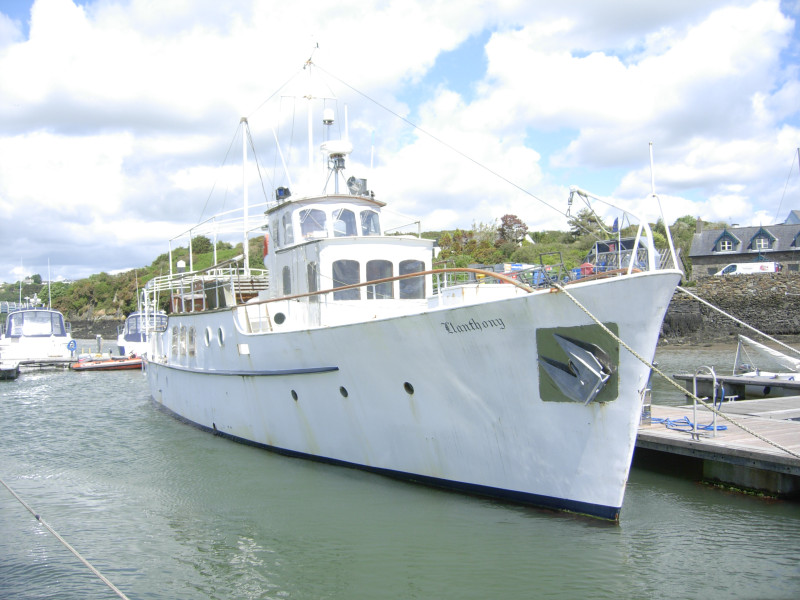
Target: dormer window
point(761, 243)
point(726, 242)
point(762, 240)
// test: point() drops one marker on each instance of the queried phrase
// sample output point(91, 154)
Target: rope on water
point(64, 542)
point(670, 380)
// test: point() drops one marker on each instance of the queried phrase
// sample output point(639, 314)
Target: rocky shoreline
point(83, 329)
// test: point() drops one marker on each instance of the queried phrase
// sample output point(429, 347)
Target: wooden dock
point(733, 456)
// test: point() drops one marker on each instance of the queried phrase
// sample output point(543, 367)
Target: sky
point(119, 118)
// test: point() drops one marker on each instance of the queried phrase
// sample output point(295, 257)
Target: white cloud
point(116, 117)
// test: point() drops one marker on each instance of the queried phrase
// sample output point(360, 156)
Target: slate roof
point(785, 239)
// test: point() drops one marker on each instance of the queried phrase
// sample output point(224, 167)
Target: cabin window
point(287, 281)
point(288, 234)
point(175, 341)
point(192, 342)
point(413, 287)
point(182, 341)
point(725, 245)
point(379, 269)
point(344, 223)
point(370, 223)
point(346, 272)
point(312, 274)
point(312, 223)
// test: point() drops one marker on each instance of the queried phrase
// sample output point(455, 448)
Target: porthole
point(408, 388)
point(343, 391)
point(294, 395)
point(221, 336)
point(208, 337)
point(279, 318)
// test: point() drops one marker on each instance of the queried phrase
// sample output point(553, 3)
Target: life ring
point(266, 244)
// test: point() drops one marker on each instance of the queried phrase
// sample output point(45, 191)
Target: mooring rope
point(64, 542)
point(670, 380)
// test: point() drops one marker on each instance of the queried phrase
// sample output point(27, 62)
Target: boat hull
point(454, 397)
point(109, 364)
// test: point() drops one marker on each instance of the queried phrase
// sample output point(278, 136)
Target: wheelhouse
point(36, 322)
point(135, 327)
point(320, 243)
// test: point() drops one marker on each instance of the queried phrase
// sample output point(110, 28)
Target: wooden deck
point(733, 456)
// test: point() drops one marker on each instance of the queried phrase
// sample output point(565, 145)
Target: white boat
point(747, 381)
point(356, 352)
point(36, 335)
point(132, 335)
point(764, 383)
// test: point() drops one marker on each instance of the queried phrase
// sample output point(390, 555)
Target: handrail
point(499, 276)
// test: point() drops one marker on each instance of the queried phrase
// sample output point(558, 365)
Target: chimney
point(699, 226)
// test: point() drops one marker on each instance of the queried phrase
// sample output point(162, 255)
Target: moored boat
point(35, 335)
point(108, 364)
point(351, 349)
point(132, 335)
point(747, 380)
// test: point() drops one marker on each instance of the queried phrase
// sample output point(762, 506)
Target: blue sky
point(116, 116)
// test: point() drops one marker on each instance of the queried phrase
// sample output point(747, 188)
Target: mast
point(666, 225)
point(245, 244)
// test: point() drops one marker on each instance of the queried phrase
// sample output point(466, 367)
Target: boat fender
point(266, 244)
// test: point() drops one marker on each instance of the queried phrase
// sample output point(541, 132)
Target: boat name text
point(473, 325)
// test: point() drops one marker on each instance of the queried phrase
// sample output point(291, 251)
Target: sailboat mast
point(245, 244)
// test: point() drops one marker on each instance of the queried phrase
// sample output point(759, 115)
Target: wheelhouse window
point(379, 269)
point(35, 323)
point(312, 223)
point(312, 275)
point(412, 288)
point(287, 281)
point(346, 272)
point(344, 223)
point(288, 234)
point(370, 223)
point(276, 231)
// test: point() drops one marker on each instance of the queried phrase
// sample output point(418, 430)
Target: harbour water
point(166, 511)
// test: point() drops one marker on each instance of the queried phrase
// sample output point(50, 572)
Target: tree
point(511, 229)
point(36, 278)
point(586, 222)
point(201, 245)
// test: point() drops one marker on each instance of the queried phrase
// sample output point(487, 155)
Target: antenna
point(663, 218)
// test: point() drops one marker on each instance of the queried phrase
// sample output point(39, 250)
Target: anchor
point(585, 374)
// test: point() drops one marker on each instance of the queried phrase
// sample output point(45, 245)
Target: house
point(712, 249)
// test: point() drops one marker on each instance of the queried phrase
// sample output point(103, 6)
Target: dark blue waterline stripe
point(610, 513)
point(305, 371)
